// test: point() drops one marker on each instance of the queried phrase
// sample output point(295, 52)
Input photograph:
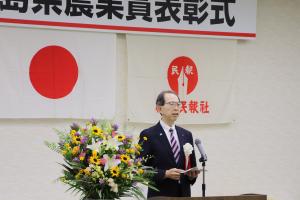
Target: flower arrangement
point(101, 162)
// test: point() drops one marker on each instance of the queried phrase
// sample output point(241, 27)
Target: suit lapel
point(180, 137)
point(164, 141)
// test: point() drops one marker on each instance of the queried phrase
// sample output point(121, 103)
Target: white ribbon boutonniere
point(188, 149)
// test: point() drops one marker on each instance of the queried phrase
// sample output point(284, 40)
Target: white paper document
point(191, 169)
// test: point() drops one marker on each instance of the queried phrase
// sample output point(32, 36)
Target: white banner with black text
point(205, 18)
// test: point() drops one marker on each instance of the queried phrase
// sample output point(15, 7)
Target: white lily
point(110, 161)
point(112, 143)
point(94, 145)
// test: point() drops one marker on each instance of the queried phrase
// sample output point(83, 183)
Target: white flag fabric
point(56, 74)
point(200, 71)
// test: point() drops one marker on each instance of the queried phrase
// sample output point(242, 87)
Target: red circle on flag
point(182, 72)
point(53, 72)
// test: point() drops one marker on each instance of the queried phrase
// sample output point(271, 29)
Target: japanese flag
point(200, 71)
point(56, 74)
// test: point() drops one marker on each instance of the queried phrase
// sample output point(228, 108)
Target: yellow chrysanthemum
point(121, 137)
point(64, 152)
point(81, 157)
point(97, 131)
point(125, 158)
point(115, 171)
point(75, 150)
point(130, 151)
point(125, 176)
point(138, 147)
point(87, 171)
point(79, 174)
point(67, 146)
point(139, 163)
point(140, 171)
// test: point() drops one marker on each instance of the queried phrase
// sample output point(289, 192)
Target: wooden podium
point(240, 197)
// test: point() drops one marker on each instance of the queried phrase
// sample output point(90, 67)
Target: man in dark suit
point(163, 150)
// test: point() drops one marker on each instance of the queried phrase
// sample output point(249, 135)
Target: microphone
point(199, 145)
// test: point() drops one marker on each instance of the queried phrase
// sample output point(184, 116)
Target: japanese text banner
point(207, 18)
point(56, 74)
point(200, 71)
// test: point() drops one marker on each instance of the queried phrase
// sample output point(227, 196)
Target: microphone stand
point(201, 160)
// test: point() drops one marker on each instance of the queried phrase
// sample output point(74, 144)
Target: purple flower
point(84, 139)
point(77, 134)
point(138, 160)
point(118, 156)
point(115, 127)
point(94, 122)
point(122, 151)
point(129, 137)
point(76, 159)
point(75, 127)
point(84, 149)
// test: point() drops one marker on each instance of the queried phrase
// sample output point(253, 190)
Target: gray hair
point(160, 100)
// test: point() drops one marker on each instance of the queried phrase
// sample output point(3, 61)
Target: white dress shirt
point(166, 128)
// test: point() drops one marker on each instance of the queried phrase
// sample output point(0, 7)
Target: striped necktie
point(174, 146)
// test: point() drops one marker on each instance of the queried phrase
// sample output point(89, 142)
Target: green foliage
point(101, 162)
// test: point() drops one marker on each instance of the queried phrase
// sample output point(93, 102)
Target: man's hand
point(193, 174)
point(173, 173)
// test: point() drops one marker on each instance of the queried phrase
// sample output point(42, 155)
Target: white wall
point(255, 154)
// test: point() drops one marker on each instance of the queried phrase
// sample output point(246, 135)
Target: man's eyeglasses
point(173, 103)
